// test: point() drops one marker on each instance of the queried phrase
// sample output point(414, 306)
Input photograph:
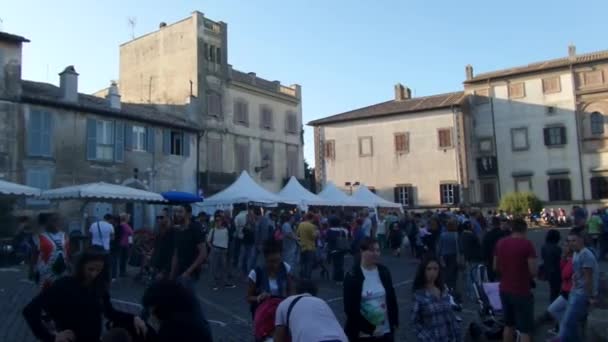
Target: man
point(307, 233)
point(305, 317)
point(498, 231)
point(367, 225)
point(515, 261)
point(240, 220)
point(264, 230)
point(585, 281)
point(102, 232)
point(189, 248)
point(163, 246)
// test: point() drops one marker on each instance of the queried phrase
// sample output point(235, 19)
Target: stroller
point(491, 323)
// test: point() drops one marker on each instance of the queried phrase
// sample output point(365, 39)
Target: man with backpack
point(296, 315)
point(52, 256)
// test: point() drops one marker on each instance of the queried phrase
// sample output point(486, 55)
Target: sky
point(346, 54)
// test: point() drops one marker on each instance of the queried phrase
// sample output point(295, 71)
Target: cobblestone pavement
point(226, 309)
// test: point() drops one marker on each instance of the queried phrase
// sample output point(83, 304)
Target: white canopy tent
point(364, 194)
point(243, 190)
point(102, 192)
point(17, 190)
point(294, 192)
point(334, 195)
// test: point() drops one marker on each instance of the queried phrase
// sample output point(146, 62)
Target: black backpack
point(59, 266)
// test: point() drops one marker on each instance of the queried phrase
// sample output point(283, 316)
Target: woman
point(395, 238)
point(219, 240)
point(551, 255)
point(431, 240)
point(559, 305)
point(76, 304)
point(448, 250)
point(290, 240)
point(273, 279)
point(370, 302)
point(432, 315)
point(337, 244)
point(52, 252)
point(124, 242)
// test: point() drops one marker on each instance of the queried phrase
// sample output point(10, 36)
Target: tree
point(518, 203)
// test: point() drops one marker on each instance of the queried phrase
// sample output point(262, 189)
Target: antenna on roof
point(132, 21)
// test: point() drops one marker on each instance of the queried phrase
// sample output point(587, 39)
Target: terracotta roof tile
point(392, 107)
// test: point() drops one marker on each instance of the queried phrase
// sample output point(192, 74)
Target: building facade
point(56, 137)
point(248, 123)
point(408, 150)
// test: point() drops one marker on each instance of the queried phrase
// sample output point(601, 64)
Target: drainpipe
point(498, 187)
point(457, 154)
point(578, 140)
point(199, 136)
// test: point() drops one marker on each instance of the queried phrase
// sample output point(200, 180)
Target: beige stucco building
point(248, 123)
point(408, 150)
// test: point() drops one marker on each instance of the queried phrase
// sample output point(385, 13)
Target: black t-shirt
point(163, 251)
point(186, 246)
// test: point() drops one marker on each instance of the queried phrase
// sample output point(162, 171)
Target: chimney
point(469, 72)
point(68, 83)
point(113, 96)
point(571, 51)
point(162, 25)
point(253, 76)
point(402, 93)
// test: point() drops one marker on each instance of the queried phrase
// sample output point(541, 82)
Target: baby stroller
point(491, 322)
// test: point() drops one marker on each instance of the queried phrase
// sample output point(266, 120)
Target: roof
point(415, 105)
point(259, 82)
point(7, 37)
point(542, 66)
point(49, 94)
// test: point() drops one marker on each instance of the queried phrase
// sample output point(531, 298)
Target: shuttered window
point(267, 154)
point(214, 155)
point(555, 136)
point(176, 143)
point(241, 156)
point(329, 149)
point(597, 123)
point(403, 194)
point(266, 118)
point(214, 104)
point(517, 90)
point(39, 133)
point(599, 188)
point(559, 189)
point(450, 193)
point(444, 136)
point(594, 78)
point(551, 85)
point(291, 123)
point(38, 178)
point(402, 143)
point(241, 112)
point(292, 161)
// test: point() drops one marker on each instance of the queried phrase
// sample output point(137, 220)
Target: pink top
point(567, 271)
point(127, 231)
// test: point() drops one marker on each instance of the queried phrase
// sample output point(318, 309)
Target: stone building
point(249, 123)
point(542, 128)
point(408, 150)
point(54, 136)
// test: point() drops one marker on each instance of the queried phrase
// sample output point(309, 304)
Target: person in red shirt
point(515, 262)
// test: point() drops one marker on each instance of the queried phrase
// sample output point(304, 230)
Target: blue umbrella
point(181, 197)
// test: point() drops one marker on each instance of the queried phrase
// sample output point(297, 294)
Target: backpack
point(342, 243)
point(278, 234)
point(59, 266)
point(264, 318)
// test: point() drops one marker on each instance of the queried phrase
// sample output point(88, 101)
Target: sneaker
point(229, 286)
point(215, 288)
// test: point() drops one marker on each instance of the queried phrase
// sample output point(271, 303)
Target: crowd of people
point(277, 253)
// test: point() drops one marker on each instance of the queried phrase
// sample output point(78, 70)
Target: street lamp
point(265, 164)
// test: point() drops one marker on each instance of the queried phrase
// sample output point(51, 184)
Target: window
point(482, 96)
point(403, 195)
point(555, 136)
point(330, 149)
point(176, 143)
point(597, 123)
point(559, 189)
point(519, 139)
point(291, 123)
point(516, 91)
point(218, 55)
point(551, 85)
point(593, 78)
point(41, 179)
point(267, 160)
point(366, 148)
point(105, 140)
point(523, 184)
point(486, 145)
point(241, 112)
point(242, 155)
point(39, 132)
point(293, 162)
point(402, 143)
point(139, 138)
point(266, 118)
point(214, 104)
point(599, 187)
point(214, 154)
point(449, 193)
point(445, 137)
point(488, 192)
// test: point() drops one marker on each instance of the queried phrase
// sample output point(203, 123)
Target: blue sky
point(345, 54)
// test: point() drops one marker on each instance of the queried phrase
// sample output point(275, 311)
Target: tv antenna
point(132, 21)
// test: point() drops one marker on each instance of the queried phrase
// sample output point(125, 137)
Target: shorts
point(518, 311)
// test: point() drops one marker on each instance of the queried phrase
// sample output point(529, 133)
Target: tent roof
point(243, 190)
point(14, 189)
point(103, 192)
point(293, 191)
point(333, 194)
point(364, 194)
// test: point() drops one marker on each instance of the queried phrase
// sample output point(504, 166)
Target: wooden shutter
point(441, 198)
point(547, 136)
point(128, 137)
point(91, 139)
point(119, 141)
point(186, 144)
point(166, 141)
point(562, 133)
point(567, 190)
point(595, 187)
point(150, 139)
point(396, 198)
point(46, 134)
point(552, 189)
point(456, 188)
point(34, 133)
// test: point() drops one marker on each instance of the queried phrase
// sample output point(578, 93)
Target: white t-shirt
point(309, 312)
point(373, 302)
point(106, 231)
point(381, 227)
point(218, 238)
point(272, 282)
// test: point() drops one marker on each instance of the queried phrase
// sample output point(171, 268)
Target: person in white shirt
point(218, 240)
point(102, 232)
point(297, 315)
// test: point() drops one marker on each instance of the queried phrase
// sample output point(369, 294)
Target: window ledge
point(520, 149)
point(557, 146)
point(47, 158)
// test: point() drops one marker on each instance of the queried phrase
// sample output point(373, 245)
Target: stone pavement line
point(399, 284)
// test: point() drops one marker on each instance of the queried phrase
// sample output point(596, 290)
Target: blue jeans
point(307, 260)
point(569, 327)
point(246, 258)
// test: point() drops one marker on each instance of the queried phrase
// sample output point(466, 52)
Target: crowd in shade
point(281, 254)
